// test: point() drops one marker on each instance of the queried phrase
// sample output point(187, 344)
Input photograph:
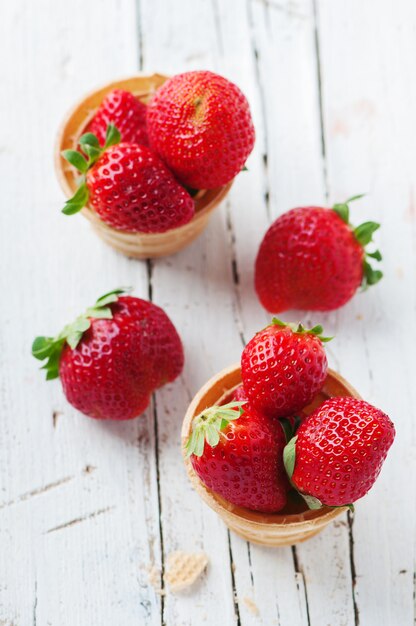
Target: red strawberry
point(312, 259)
point(114, 356)
point(126, 112)
point(283, 367)
point(239, 394)
point(238, 454)
point(200, 125)
point(289, 423)
point(128, 186)
point(338, 452)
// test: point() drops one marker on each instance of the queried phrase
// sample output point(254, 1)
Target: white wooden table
point(85, 506)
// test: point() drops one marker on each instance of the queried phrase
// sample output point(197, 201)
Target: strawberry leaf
point(91, 147)
point(299, 329)
point(89, 139)
point(78, 200)
point(343, 210)
point(112, 136)
point(364, 235)
point(364, 232)
point(287, 428)
point(370, 275)
point(312, 502)
point(42, 347)
point(207, 426)
point(112, 296)
point(76, 159)
point(289, 456)
point(354, 198)
point(375, 255)
point(50, 348)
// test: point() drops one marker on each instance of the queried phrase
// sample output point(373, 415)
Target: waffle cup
point(136, 245)
point(293, 524)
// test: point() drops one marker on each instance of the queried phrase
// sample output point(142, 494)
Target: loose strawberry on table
point(311, 258)
point(200, 125)
point(122, 109)
point(238, 453)
point(338, 452)
point(128, 186)
point(113, 357)
point(283, 367)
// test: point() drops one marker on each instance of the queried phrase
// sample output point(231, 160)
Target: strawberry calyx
point(364, 235)
point(91, 147)
point(207, 426)
point(50, 348)
point(289, 461)
point(299, 329)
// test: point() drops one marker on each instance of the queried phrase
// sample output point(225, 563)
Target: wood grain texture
point(85, 507)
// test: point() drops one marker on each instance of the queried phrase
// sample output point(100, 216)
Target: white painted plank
point(92, 569)
point(369, 99)
point(285, 41)
point(79, 500)
point(195, 287)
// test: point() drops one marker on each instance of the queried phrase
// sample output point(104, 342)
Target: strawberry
point(283, 367)
point(237, 453)
point(113, 357)
point(338, 452)
point(200, 125)
point(311, 258)
point(128, 186)
point(126, 112)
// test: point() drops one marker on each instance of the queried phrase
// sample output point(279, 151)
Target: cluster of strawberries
point(140, 166)
point(262, 442)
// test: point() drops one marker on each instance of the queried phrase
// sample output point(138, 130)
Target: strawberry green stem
point(207, 426)
point(91, 147)
point(299, 329)
point(364, 235)
point(289, 461)
point(50, 348)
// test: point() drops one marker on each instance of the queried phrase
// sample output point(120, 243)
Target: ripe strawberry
point(113, 357)
point(200, 125)
point(338, 452)
point(126, 112)
point(311, 258)
point(128, 186)
point(283, 367)
point(238, 454)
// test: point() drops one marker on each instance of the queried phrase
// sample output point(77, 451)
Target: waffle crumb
point(251, 605)
point(184, 568)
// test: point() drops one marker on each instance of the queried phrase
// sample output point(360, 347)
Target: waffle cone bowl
point(136, 245)
point(293, 524)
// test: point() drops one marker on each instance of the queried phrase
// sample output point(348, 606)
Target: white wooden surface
point(85, 507)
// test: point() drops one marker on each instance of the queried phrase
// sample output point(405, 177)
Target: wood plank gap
point(149, 267)
point(159, 500)
point(233, 585)
point(260, 89)
point(35, 603)
point(350, 518)
point(299, 571)
point(237, 305)
point(320, 98)
point(139, 31)
point(414, 595)
point(250, 563)
point(217, 24)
